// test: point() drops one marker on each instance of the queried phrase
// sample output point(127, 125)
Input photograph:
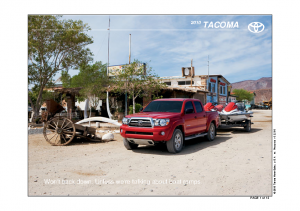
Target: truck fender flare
point(209, 122)
point(212, 118)
point(174, 126)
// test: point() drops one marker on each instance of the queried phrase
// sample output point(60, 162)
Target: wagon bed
point(60, 130)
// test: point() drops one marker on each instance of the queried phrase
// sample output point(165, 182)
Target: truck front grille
point(140, 123)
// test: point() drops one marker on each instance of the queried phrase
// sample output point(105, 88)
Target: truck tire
point(248, 126)
point(211, 133)
point(175, 145)
point(129, 145)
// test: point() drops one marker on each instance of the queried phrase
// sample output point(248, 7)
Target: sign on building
point(188, 71)
point(116, 69)
point(222, 100)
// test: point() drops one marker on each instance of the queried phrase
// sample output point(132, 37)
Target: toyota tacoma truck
point(170, 121)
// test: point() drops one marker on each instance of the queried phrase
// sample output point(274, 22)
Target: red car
point(170, 121)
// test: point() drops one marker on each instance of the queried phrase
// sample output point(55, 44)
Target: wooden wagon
point(60, 130)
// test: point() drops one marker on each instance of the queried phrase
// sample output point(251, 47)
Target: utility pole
point(192, 72)
point(126, 83)
point(207, 71)
point(208, 64)
point(211, 95)
point(107, 102)
point(129, 47)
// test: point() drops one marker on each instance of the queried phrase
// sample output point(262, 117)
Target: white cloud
point(170, 42)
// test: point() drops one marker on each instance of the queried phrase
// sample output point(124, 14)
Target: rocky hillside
point(262, 87)
point(263, 95)
point(262, 83)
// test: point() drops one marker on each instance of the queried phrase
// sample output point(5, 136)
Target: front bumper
point(148, 134)
point(141, 141)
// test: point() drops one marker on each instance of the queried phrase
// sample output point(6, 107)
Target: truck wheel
point(129, 145)
point(248, 125)
point(211, 133)
point(176, 143)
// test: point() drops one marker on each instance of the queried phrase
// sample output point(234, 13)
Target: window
point(189, 105)
point(168, 83)
point(164, 106)
point(213, 88)
point(185, 82)
point(222, 90)
point(198, 106)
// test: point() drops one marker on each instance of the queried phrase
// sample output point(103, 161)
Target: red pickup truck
point(170, 121)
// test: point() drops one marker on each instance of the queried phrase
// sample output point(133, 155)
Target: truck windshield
point(164, 106)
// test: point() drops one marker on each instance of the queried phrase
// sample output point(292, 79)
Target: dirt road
point(236, 163)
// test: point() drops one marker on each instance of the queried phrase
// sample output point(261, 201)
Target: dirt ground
point(236, 163)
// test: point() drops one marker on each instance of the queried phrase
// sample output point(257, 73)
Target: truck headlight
point(161, 122)
point(125, 120)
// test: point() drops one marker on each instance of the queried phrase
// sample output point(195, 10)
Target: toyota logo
point(140, 122)
point(256, 27)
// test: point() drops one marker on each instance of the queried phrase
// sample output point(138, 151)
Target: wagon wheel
point(59, 131)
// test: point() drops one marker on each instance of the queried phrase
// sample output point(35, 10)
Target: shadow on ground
point(82, 141)
point(191, 146)
point(195, 145)
point(237, 131)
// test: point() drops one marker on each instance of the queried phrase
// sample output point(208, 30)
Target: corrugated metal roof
point(171, 77)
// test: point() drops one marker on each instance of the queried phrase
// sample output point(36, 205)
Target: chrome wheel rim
point(212, 131)
point(178, 141)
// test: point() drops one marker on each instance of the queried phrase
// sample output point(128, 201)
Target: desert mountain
point(262, 88)
point(251, 85)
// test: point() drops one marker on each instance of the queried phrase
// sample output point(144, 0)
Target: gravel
point(35, 131)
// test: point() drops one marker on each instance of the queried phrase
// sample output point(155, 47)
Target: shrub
point(137, 108)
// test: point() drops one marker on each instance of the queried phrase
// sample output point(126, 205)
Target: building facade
point(185, 87)
point(213, 89)
point(218, 89)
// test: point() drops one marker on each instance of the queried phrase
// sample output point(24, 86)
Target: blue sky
point(169, 42)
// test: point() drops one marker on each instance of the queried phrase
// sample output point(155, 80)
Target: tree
point(137, 82)
point(243, 94)
point(92, 79)
point(54, 45)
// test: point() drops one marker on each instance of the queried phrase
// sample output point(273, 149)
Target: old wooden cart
point(59, 130)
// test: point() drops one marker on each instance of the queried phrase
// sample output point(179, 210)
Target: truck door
point(200, 117)
point(190, 118)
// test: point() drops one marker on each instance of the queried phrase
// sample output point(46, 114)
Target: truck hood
point(155, 115)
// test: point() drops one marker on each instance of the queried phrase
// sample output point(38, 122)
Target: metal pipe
point(191, 72)
point(129, 47)
point(129, 63)
point(208, 77)
point(107, 101)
